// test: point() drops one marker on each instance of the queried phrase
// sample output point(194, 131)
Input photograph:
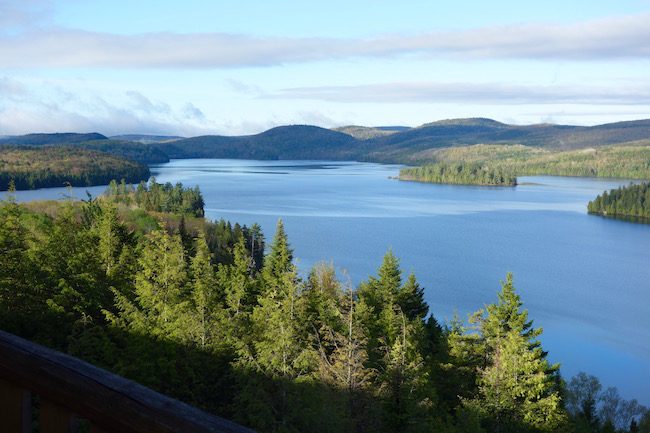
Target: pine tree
point(278, 351)
point(238, 282)
point(159, 287)
point(410, 298)
point(279, 261)
point(343, 357)
point(406, 390)
point(378, 309)
point(517, 387)
point(76, 285)
point(109, 231)
point(205, 312)
point(17, 291)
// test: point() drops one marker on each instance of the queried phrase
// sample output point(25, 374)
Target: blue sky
point(236, 67)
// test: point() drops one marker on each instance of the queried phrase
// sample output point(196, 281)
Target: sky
point(240, 67)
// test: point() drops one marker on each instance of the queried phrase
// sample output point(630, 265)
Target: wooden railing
point(73, 393)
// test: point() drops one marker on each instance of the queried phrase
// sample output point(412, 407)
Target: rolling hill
point(282, 142)
point(380, 144)
point(51, 139)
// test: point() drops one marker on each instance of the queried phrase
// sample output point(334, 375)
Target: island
point(460, 174)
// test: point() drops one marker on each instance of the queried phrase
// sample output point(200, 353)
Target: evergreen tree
point(279, 261)
point(517, 387)
point(76, 286)
point(378, 309)
point(238, 282)
point(17, 291)
point(159, 287)
point(343, 355)
point(278, 351)
point(110, 232)
point(410, 298)
point(205, 312)
point(406, 390)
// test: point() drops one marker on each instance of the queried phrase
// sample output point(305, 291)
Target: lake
point(584, 279)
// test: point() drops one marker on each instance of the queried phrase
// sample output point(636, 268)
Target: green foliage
point(632, 201)
point(627, 161)
point(31, 167)
point(158, 197)
point(185, 308)
point(517, 390)
point(464, 174)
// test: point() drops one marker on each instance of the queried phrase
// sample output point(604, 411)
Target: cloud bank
point(623, 37)
point(474, 93)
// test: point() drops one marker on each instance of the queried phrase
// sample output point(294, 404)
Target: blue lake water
point(584, 279)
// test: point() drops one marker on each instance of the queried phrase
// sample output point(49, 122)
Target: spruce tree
point(17, 292)
point(517, 387)
point(410, 298)
point(279, 261)
point(109, 231)
point(204, 313)
point(159, 287)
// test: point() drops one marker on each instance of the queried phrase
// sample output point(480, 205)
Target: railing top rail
point(105, 399)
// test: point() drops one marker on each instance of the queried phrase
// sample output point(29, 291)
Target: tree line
point(197, 310)
point(157, 197)
point(620, 161)
point(459, 173)
point(57, 166)
point(631, 201)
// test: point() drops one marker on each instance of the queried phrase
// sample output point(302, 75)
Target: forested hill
point(52, 139)
point(389, 144)
point(461, 132)
point(379, 144)
point(310, 142)
point(56, 166)
point(283, 142)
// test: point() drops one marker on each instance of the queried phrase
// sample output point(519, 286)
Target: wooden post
point(15, 408)
point(56, 419)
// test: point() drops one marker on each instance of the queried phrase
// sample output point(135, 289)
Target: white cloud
point(623, 37)
point(24, 110)
point(192, 112)
point(10, 88)
point(475, 93)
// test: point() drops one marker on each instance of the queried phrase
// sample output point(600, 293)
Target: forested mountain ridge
point(543, 149)
point(309, 142)
point(282, 142)
point(52, 138)
point(400, 145)
point(462, 132)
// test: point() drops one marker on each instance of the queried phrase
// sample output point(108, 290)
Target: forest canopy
point(631, 201)
point(157, 197)
point(57, 166)
point(463, 174)
point(198, 310)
